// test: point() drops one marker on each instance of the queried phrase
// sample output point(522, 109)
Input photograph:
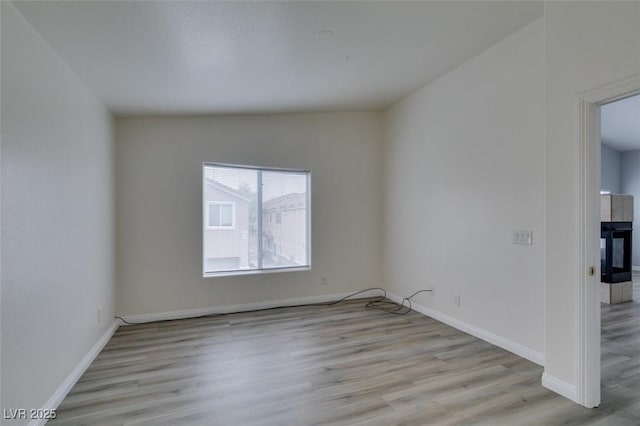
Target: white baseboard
point(559, 386)
point(635, 268)
point(77, 372)
point(480, 333)
point(192, 313)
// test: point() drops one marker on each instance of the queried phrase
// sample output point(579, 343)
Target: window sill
point(255, 271)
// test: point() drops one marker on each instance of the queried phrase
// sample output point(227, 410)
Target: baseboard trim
point(480, 333)
point(635, 268)
point(227, 309)
point(68, 383)
point(559, 386)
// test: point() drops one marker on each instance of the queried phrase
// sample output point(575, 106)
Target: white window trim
point(221, 227)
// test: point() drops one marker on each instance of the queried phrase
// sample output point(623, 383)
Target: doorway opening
point(620, 247)
point(588, 325)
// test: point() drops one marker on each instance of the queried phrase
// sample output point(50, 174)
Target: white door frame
point(588, 291)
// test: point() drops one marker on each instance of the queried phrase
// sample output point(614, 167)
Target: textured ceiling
point(201, 57)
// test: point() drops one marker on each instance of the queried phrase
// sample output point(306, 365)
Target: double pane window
point(255, 219)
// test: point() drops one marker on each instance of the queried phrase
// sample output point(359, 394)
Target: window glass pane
point(230, 239)
point(617, 255)
point(226, 218)
point(284, 226)
point(214, 215)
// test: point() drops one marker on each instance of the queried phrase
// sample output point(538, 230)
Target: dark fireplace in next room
point(616, 228)
point(615, 251)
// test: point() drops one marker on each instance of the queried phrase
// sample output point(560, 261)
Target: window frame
point(260, 269)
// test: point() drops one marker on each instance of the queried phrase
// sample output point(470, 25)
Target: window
point(221, 215)
point(255, 219)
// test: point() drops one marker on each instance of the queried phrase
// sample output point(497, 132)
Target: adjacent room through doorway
point(620, 249)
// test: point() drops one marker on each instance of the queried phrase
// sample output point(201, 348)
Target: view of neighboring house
point(233, 239)
point(284, 236)
point(226, 216)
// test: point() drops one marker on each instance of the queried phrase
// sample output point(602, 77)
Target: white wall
point(57, 217)
point(630, 172)
point(159, 205)
point(464, 162)
point(587, 45)
point(610, 170)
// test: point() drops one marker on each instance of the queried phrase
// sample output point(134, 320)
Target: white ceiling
point(620, 124)
point(201, 57)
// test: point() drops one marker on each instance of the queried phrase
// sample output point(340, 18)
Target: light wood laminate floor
point(342, 365)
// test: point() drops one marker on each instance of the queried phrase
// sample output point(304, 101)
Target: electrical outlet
point(323, 280)
point(456, 299)
point(99, 314)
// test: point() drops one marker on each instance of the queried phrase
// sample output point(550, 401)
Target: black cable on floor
point(380, 299)
point(381, 304)
point(393, 307)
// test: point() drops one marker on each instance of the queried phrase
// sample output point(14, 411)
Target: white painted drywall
point(57, 217)
point(159, 205)
point(610, 170)
point(630, 172)
point(587, 45)
point(464, 163)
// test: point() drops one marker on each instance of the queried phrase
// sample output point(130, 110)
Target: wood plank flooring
point(338, 365)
